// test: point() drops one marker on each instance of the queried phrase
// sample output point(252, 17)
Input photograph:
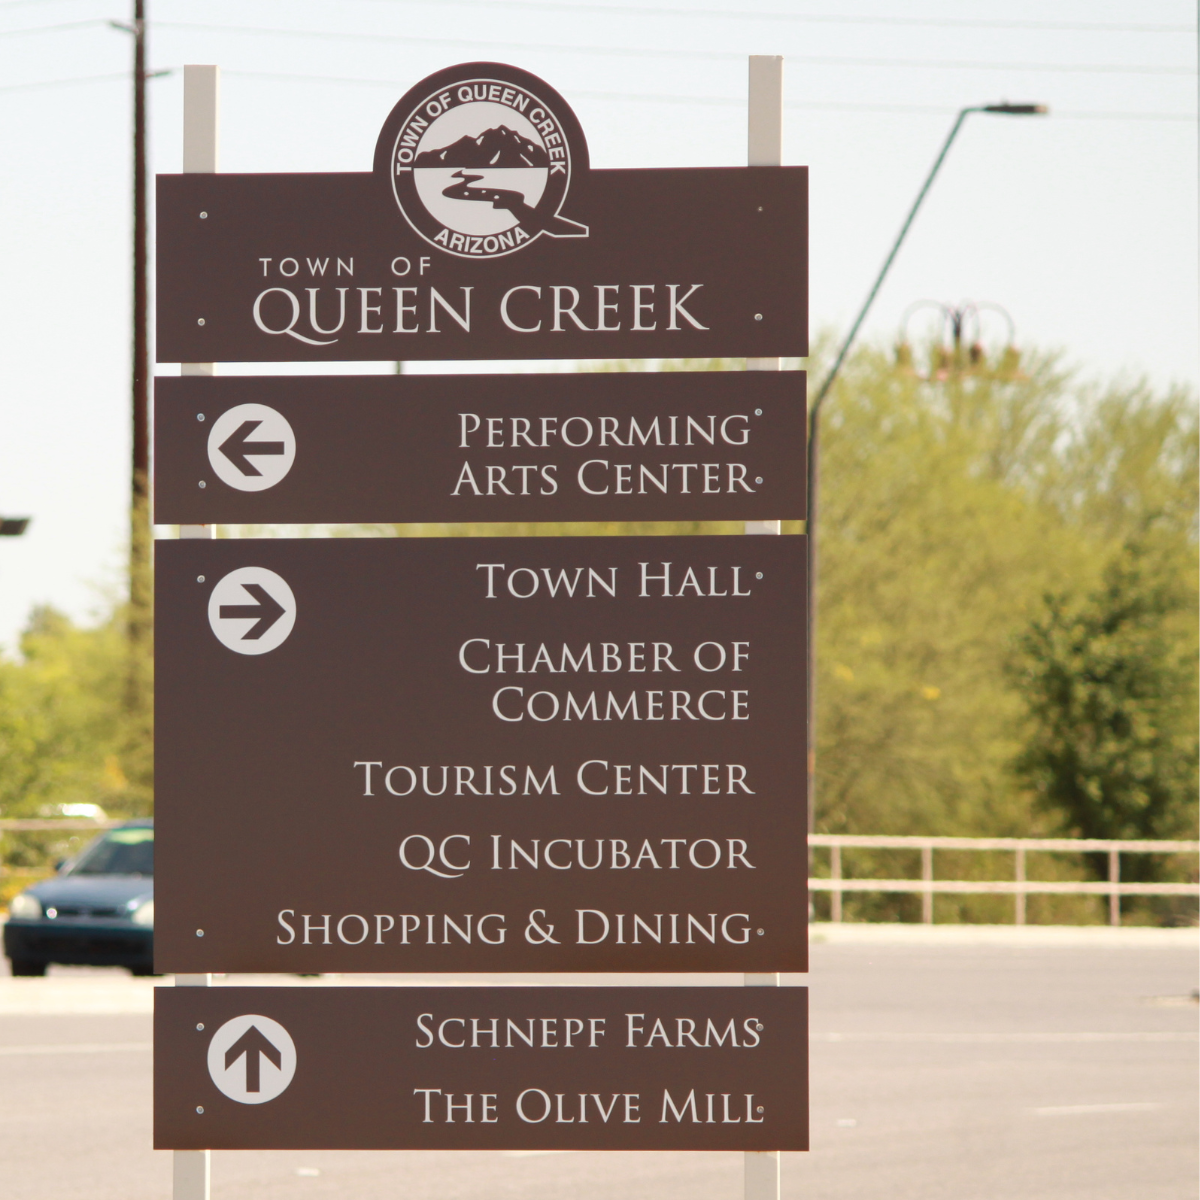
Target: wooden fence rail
point(927, 886)
point(1018, 887)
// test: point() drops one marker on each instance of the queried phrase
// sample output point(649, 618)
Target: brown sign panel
point(483, 233)
point(676, 264)
point(643, 446)
point(518, 754)
point(481, 1068)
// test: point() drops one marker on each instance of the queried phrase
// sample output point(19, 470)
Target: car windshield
point(118, 852)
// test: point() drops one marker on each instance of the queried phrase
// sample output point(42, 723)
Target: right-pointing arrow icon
point(266, 608)
point(252, 610)
point(255, 1047)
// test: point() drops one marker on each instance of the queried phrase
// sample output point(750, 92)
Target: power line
point(707, 55)
point(793, 18)
point(52, 28)
point(719, 101)
point(49, 83)
point(814, 18)
point(619, 97)
point(72, 82)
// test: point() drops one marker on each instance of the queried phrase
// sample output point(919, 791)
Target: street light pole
point(814, 419)
point(957, 317)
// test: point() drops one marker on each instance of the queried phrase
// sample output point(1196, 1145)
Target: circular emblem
point(252, 1059)
point(251, 447)
point(480, 159)
point(252, 610)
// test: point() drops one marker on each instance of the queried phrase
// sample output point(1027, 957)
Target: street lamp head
point(1017, 110)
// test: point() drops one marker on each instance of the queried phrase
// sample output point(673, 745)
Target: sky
point(1082, 225)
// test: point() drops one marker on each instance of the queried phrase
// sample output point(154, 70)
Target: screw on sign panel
point(252, 1059)
point(251, 447)
point(252, 610)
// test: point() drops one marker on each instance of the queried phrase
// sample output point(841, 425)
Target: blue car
point(97, 911)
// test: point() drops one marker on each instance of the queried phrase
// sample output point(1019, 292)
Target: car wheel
point(28, 966)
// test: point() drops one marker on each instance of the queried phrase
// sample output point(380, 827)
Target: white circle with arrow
point(252, 610)
point(252, 1059)
point(251, 447)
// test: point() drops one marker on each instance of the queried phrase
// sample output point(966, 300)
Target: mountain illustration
point(499, 147)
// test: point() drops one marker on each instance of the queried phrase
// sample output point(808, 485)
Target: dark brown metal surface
point(269, 842)
point(572, 447)
point(710, 1068)
point(728, 244)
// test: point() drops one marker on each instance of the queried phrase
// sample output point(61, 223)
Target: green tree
point(934, 546)
point(1109, 684)
point(65, 732)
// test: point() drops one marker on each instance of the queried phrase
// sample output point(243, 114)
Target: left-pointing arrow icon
point(252, 610)
point(251, 447)
point(238, 446)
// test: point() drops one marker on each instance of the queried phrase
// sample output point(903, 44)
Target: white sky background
point(1084, 227)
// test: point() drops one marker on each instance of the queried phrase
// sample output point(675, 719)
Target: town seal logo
point(480, 159)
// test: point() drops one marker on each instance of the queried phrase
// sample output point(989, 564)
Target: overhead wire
point(627, 51)
point(50, 83)
point(719, 101)
point(818, 60)
point(619, 97)
point(60, 28)
point(706, 55)
point(816, 18)
point(641, 10)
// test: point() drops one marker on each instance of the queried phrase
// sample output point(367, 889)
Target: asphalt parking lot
point(944, 1065)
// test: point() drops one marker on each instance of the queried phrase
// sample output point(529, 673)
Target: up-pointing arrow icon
point(251, 1059)
point(252, 610)
point(251, 447)
point(255, 1047)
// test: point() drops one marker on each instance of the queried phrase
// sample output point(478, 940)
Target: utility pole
point(140, 622)
point(139, 540)
point(140, 618)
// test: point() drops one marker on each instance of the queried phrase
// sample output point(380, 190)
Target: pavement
point(948, 1063)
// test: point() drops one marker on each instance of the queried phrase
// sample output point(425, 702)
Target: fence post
point(927, 876)
point(1114, 897)
point(835, 873)
point(1019, 898)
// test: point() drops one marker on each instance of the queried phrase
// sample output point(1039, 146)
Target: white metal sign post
point(201, 90)
point(764, 143)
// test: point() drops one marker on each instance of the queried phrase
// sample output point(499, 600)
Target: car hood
point(92, 891)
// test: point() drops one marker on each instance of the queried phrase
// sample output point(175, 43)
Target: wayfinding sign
point(525, 754)
point(481, 1068)
point(591, 446)
point(482, 232)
